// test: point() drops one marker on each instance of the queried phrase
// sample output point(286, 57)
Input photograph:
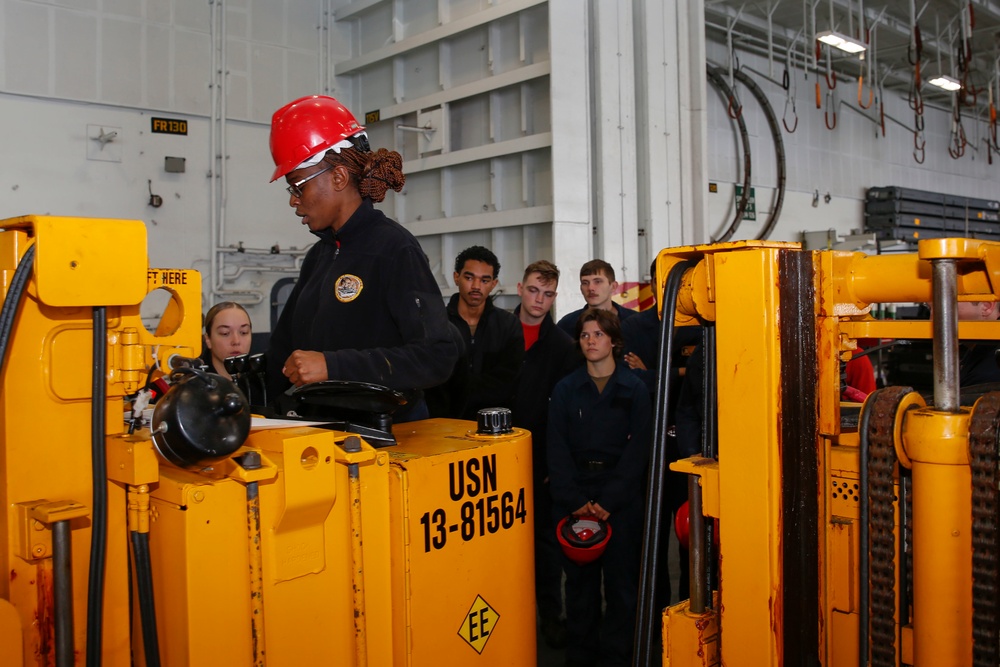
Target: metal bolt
point(198, 496)
point(250, 461)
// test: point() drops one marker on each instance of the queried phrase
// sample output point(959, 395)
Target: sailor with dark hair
point(486, 374)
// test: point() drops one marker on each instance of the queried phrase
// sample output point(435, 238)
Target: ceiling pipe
point(791, 40)
point(758, 46)
point(895, 24)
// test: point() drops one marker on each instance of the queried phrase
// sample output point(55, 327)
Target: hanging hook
point(830, 117)
point(871, 93)
point(915, 47)
point(795, 116)
point(790, 88)
point(919, 143)
point(957, 141)
point(867, 66)
point(830, 74)
point(880, 82)
point(770, 36)
point(915, 98)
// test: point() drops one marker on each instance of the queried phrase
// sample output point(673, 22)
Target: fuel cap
point(494, 421)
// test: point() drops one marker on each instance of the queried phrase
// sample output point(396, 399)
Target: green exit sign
point(750, 212)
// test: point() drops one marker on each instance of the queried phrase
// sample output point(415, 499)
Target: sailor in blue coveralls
point(599, 433)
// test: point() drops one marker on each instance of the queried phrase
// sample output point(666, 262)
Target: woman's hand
point(304, 367)
point(593, 508)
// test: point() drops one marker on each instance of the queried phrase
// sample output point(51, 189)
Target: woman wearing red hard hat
point(598, 453)
point(366, 306)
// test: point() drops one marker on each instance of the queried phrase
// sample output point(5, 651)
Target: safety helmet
point(583, 538)
point(682, 526)
point(303, 128)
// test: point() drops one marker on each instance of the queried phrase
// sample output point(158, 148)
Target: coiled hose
point(779, 149)
point(644, 648)
point(719, 81)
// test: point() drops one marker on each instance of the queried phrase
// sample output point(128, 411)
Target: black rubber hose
point(147, 606)
point(644, 648)
point(779, 149)
point(709, 405)
point(13, 299)
point(99, 478)
point(715, 77)
point(710, 446)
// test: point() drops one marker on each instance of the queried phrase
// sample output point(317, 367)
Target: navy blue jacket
point(613, 427)
point(642, 338)
point(568, 322)
point(486, 373)
point(366, 298)
point(546, 362)
point(978, 363)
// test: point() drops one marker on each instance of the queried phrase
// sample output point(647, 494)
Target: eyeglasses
point(295, 189)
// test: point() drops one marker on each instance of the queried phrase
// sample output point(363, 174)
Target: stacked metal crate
point(905, 214)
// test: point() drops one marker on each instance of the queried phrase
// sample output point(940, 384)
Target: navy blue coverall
point(598, 450)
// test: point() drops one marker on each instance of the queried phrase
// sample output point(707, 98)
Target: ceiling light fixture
point(841, 41)
point(949, 83)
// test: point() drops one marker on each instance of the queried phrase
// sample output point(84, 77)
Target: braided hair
point(372, 173)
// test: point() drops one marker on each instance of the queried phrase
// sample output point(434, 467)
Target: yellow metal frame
point(735, 286)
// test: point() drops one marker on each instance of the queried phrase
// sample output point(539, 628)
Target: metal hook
point(827, 114)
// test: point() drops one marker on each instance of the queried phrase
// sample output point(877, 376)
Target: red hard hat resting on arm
point(307, 126)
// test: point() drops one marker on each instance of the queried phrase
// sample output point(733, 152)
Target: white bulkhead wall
point(71, 70)
point(560, 130)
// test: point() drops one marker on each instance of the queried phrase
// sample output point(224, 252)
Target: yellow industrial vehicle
point(193, 540)
point(842, 542)
point(251, 543)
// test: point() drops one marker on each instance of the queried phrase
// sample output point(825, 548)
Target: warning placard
point(750, 212)
point(478, 624)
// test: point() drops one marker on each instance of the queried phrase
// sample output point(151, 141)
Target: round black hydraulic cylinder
point(202, 419)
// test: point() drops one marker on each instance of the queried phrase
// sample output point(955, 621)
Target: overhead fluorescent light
point(841, 41)
point(949, 83)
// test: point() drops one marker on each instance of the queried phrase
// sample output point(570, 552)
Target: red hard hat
point(302, 128)
point(583, 538)
point(682, 526)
